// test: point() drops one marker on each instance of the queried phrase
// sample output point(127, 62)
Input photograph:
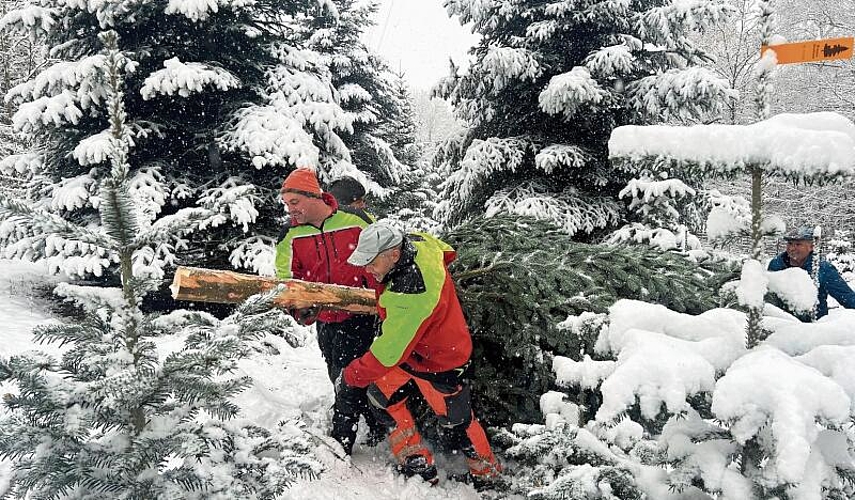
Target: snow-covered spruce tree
point(665, 214)
point(117, 418)
point(682, 393)
point(223, 100)
point(518, 278)
point(549, 82)
point(379, 140)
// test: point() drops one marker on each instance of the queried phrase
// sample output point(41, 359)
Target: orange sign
point(812, 51)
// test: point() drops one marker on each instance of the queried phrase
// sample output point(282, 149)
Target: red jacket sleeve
point(364, 370)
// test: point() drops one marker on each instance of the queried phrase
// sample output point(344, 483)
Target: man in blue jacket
point(799, 253)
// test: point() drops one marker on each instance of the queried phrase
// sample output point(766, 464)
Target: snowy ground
point(288, 383)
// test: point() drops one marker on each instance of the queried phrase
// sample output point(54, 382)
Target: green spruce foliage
point(117, 415)
point(518, 278)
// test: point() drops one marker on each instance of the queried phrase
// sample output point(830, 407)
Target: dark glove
point(305, 316)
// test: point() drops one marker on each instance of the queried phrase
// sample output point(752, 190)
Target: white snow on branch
point(17, 164)
point(555, 156)
point(803, 145)
point(82, 77)
point(187, 78)
point(665, 24)
point(753, 284)
point(799, 338)
point(795, 287)
point(571, 211)
point(199, 10)
point(647, 190)
point(568, 92)
point(73, 192)
point(587, 374)
point(504, 64)
point(272, 138)
point(611, 61)
point(725, 326)
point(30, 17)
point(58, 110)
point(353, 92)
point(682, 94)
point(656, 369)
point(768, 388)
point(94, 149)
point(837, 363)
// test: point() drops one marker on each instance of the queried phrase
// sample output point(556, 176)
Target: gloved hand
point(305, 316)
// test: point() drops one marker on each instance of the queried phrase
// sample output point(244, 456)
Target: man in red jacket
point(315, 246)
point(424, 345)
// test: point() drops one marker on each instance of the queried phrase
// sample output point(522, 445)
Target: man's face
point(383, 263)
point(306, 209)
point(798, 250)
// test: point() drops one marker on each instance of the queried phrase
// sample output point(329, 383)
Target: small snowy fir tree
point(717, 419)
point(559, 460)
point(118, 416)
point(665, 214)
point(548, 83)
point(223, 100)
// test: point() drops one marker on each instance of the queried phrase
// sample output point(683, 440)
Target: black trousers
point(340, 344)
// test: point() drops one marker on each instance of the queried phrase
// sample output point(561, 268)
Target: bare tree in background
point(434, 118)
point(20, 57)
point(799, 88)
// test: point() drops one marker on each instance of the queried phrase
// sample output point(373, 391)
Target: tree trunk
point(227, 287)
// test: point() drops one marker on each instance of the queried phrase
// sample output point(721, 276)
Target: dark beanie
point(346, 190)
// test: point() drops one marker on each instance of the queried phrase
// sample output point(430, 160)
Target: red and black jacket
point(319, 254)
point(423, 329)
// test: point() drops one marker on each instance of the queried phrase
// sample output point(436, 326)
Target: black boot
point(344, 430)
point(418, 465)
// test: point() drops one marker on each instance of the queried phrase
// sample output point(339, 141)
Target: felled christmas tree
point(518, 278)
point(117, 416)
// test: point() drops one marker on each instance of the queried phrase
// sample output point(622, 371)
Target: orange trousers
point(449, 399)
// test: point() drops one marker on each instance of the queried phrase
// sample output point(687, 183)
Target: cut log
point(228, 287)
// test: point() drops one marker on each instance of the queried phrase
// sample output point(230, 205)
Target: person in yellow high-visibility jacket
point(424, 346)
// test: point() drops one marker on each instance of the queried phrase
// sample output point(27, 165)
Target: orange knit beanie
point(302, 181)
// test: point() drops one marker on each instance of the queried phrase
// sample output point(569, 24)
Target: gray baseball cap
point(373, 240)
point(798, 234)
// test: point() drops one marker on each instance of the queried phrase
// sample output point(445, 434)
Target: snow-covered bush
point(769, 422)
